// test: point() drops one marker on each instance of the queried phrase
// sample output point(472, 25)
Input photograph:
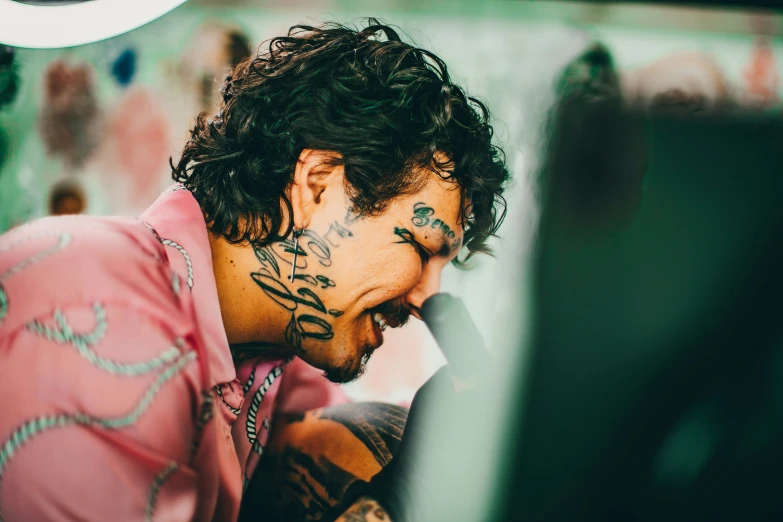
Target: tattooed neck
point(302, 298)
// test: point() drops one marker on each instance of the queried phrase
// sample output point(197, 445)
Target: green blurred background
point(508, 53)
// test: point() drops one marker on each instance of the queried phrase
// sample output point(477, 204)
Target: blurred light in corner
point(50, 24)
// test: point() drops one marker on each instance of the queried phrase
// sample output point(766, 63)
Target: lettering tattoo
point(423, 217)
point(351, 217)
point(308, 312)
point(309, 244)
point(328, 283)
point(336, 229)
point(310, 318)
point(315, 281)
point(307, 278)
point(267, 259)
point(421, 214)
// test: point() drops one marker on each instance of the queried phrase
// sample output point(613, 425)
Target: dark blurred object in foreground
point(599, 150)
point(456, 334)
point(656, 379)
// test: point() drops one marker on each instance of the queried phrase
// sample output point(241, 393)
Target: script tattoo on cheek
point(309, 316)
point(315, 281)
point(310, 245)
point(308, 312)
point(422, 218)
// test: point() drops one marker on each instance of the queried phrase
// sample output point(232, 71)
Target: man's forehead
point(444, 196)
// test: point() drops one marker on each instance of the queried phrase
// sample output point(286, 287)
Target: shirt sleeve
point(100, 419)
point(305, 388)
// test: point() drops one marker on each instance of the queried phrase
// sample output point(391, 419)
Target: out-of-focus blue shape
point(124, 67)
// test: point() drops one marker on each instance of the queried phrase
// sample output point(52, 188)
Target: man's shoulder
point(83, 240)
point(56, 263)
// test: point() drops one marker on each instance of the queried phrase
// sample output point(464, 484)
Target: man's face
point(357, 275)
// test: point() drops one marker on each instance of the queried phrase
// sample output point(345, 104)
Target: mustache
point(395, 309)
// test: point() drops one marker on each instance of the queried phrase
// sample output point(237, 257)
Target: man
point(601, 191)
point(142, 360)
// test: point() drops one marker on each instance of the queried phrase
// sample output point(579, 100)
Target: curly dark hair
point(387, 108)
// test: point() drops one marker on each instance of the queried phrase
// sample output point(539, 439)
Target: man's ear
point(316, 174)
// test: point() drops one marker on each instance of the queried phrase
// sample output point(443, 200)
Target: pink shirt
point(119, 399)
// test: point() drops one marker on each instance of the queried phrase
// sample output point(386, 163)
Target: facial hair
point(342, 375)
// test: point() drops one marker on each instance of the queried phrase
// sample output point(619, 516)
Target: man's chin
point(344, 375)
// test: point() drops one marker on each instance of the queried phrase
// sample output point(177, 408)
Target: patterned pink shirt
point(119, 399)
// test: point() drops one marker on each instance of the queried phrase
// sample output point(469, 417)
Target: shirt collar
point(179, 224)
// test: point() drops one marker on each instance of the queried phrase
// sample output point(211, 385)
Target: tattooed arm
point(365, 510)
point(311, 459)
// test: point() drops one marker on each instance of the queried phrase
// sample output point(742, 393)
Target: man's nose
point(428, 285)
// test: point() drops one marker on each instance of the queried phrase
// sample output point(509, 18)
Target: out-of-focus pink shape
point(68, 122)
point(140, 137)
point(207, 59)
point(692, 77)
point(761, 75)
point(189, 430)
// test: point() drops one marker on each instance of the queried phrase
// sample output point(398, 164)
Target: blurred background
point(91, 129)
